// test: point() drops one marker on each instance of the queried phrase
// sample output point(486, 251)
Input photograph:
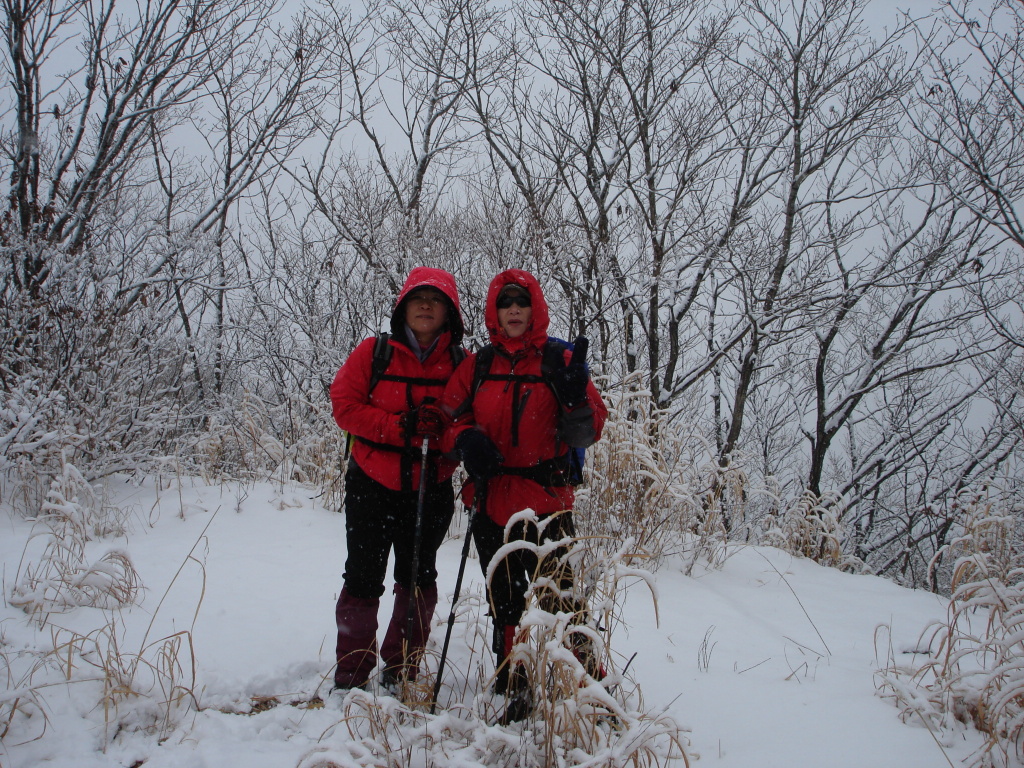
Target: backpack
point(553, 358)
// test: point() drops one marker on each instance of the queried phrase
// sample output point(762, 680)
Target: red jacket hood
point(537, 334)
point(442, 281)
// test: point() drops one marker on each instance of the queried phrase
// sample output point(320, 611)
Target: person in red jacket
point(513, 426)
point(388, 413)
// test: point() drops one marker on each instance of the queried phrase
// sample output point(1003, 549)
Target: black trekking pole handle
point(477, 504)
point(410, 611)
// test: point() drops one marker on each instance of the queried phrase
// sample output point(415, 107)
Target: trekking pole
point(477, 503)
point(410, 613)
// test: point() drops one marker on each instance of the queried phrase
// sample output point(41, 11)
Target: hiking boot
point(500, 686)
point(582, 648)
point(335, 698)
point(519, 698)
point(504, 639)
point(391, 680)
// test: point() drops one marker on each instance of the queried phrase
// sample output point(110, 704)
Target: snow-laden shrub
point(87, 377)
point(974, 673)
point(236, 443)
point(35, 434)
point(654, 481)
point(256, 440)
point(640, 484)
point(585, 710)
point(62, 577)
point(381, 732)
point(810, 528)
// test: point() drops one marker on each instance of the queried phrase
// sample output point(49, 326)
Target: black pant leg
point(555, 567)
point(438, 509)
point(370, 520)
point(507, 586)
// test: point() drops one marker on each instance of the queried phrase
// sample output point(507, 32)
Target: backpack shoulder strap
point(381, 358)
point(458, 354)
point(481, 367)
point(553, 360)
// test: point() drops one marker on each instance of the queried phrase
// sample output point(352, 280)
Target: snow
point(767, 661)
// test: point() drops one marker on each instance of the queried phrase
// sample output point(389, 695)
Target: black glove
point(425, 421)
point(576, 427)
point(570, 383)
point(480, 455)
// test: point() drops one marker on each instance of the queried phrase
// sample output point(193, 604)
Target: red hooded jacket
point(374, 417)
point(490, 409)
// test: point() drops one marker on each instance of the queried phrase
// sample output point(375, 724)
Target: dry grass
point(158, 681)
point(644, 486)
point(156, 677)
point(577, 719)
point(248, 443)
point(974, 673)
point(21, 697)
point(61, 578)
point(655, 482)
point(580, 716)
point(146, 689)
point(652, 493)
point(810, 528)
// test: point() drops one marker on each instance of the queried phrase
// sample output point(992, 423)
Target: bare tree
point(671, 139)
point(110, 211)
point(82, 132)
point(972, 109)
point(260, 110)
point(105, 144)
point(399, 84)
point(970, 113)
point(588, 112)
point(827, 88)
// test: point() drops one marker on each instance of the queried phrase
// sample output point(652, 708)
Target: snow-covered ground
point(768, 661)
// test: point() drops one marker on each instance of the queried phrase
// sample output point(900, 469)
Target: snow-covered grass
point(974, 672)
point(765, 660)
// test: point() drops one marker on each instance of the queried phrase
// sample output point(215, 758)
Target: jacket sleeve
point(350, 400)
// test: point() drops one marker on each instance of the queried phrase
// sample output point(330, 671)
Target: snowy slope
point(768, 661)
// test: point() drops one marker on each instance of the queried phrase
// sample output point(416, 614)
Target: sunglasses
point(519, 299)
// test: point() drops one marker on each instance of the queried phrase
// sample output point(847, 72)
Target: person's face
point(426, 311)
point(514, 313)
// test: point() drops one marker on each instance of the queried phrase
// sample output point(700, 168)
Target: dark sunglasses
point(519, 299)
